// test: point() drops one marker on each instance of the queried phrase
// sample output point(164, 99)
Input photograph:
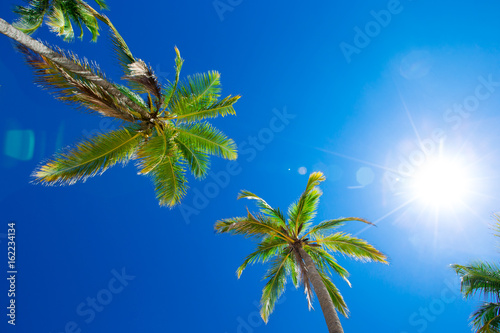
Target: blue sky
point(423, 79)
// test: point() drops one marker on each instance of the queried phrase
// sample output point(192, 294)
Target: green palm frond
point(479, 277)
point(251, 226)
point(486, 319)
point(73, 88)
point(293, 270)
point(208, 139)
point(337, 299)
point(31, 16)
point(275, 286)
point(314, 180)
point(266, 249)
point(60, 23)
point(200, 90)
point(134, 97)
point(326, 263)
point(329, 225)
point(171, 89)
point(197, 160)
point(187, 114)
point(61, 15)
point(304, 210)
point(160, 159)
point(351, 246)
point(196, 98)
point(120, 48)
point(154, 151)
point(89, 157)
point(102, 4)
point(265, 208)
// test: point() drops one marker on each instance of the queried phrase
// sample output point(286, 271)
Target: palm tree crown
point(165, 127)
point(483, 278)
point(291, 243)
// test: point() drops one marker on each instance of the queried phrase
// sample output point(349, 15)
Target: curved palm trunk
point(39, 48)
point(329, 312)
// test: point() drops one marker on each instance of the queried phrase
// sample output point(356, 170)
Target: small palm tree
point(483, 278)
point(300, 250)
point(165, 126)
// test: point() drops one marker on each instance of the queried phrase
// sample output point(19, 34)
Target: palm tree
point(164, 126)
point(300, 250)
point(483, 278)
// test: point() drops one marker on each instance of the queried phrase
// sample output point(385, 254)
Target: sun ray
point(378, 166)
point(380, 219)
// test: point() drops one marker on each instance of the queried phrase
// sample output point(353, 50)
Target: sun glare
point(441, 182)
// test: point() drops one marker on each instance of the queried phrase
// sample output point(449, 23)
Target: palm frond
point(304, 210)
point(266, 249)
point(208, 139)
point(102, 4)
point(120, 48)
point(172, 88)
point(144, 80)
point(61, 15)
point(136, 98)
point(73, 88)
point(479, 277)
point(201, 89)
point(31, 16)
point(314, 180)
point(197, 160)
point(275, 286)
point(251, 226)
point(301, 212)
point(160, 159)
point(486, 319)
point(197, 92)
point(293, 270)
point(337, 299)
point(326, 263)
point(265, 208)
point(89, 157)
point(351, 246)
point(60, 23)
point(328, 225)
point(186, 113)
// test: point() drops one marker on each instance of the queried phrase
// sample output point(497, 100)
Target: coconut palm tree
point(300, 250)
point(483, 278)
point(164, 126)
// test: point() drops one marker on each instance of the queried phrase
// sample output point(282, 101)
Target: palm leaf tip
point(102, 4)
point(314, 180)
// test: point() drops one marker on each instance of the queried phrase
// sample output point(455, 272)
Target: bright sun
point(441, 182)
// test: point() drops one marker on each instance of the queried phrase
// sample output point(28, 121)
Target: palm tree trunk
point(329, 312)
point(39, 48)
